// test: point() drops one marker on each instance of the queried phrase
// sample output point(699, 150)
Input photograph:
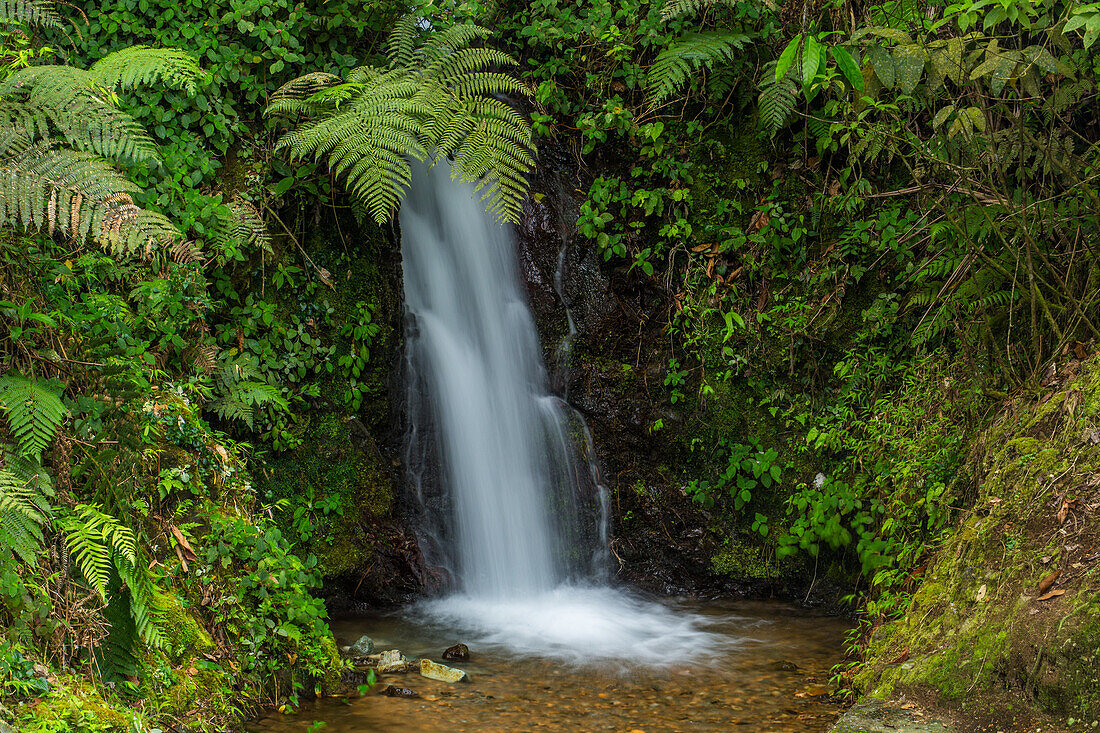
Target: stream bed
point(771, 673)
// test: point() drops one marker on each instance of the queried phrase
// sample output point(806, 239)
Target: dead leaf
point(179, 554)
point(982, 593)
point(1052, 594)
point(183, 543)
point(1046, 583)
point(1065, 509)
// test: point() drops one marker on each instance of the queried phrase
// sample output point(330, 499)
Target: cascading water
point(516, 507)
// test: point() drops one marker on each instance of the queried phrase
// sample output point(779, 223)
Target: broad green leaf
point(811, 60)
point(977, 119)
point(790, 53)
point(847, 66)
point(942, 116)
point(1002, 72)
point(883, 64)
point(908, 67)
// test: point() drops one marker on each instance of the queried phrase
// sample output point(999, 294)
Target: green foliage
point(688, 55)
point(434, 100)
point(33, 413)
point(104, 548)
point(270, 613)
point(23, 512)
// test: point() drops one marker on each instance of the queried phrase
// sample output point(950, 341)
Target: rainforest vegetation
point(861, 234)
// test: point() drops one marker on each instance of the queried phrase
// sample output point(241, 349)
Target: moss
point(739, 560)
point(974, 624)
point(336, 484)
point(184, 636)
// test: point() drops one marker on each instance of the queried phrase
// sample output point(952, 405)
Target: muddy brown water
point(775, 679)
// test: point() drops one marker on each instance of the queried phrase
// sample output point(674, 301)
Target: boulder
point(458, 653)
point(443, 673)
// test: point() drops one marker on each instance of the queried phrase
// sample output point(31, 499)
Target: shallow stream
point(769, 672)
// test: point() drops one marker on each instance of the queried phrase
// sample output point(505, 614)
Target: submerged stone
point(458, 652)
point(394, 691)
point(443, 673)
point(362, 647)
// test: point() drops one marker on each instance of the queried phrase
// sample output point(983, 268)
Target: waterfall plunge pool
point(594, 659)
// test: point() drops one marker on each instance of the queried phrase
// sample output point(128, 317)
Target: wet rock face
point(612, 370)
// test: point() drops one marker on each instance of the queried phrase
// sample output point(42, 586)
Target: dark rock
point(458, 652)
point(363, 646)
point(395, 691)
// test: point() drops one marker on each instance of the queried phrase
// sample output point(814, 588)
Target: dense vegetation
point(858, 228)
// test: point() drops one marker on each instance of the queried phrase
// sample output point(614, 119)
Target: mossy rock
point(338, 468)
point(185, 638)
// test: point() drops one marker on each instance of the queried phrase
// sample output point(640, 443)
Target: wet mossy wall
point(1008, 605)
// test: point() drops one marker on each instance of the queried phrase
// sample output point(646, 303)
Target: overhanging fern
point(438, 98)
point(61, 135)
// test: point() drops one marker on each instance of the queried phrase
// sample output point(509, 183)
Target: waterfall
point(507, 451)
point(513, 510)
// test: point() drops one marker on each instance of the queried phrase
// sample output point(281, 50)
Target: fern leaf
point(41, 13)
point(140, 66)
point(688, 55)
point(34, 414)
point(79, 194)
point(778, 98)
point(438, 95)
point(82, 112)
point(687, 8)
point(23, 512)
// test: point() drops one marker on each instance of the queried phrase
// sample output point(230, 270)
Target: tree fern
point(34, 414)
point(438, 99)
point(60, 136)
point(41, 13)
point(686, 57)
point(778, 98)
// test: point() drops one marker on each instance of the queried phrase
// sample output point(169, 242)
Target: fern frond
point(23, 512)
point(82, 112)
point(687, 8)
point(34, 414)
point(438, 95)
point(240, 392)
point(79, 194)
point(777, 99)
point(139, 66)
point(686, 57)
point(401, 43)
point(41, 13)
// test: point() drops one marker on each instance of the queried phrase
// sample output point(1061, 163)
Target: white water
point(514, 485)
